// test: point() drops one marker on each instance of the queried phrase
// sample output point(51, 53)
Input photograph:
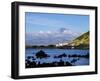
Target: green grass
point(82, 41)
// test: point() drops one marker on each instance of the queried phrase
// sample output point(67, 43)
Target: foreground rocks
point(31, 61)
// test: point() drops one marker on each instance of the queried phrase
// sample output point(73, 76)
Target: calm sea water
point(55, 52)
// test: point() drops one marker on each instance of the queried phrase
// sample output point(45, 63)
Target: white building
point(61, 44)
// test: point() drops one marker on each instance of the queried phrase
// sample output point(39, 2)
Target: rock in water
point(41, 54)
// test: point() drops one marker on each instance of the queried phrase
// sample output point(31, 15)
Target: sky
point(51, 28)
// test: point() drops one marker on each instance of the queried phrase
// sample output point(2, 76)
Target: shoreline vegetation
point(30, 61)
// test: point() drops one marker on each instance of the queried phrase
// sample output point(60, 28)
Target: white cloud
point(50, 37)
point(41, 32)
point(49, 32)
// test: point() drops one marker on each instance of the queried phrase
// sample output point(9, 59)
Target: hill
point(81, 41)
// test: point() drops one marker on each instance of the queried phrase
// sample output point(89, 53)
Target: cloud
point(41, 32)
point(50, 37)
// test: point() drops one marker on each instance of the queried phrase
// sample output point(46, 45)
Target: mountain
point(81, 41)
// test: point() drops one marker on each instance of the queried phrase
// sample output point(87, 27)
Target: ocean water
point(56, 52)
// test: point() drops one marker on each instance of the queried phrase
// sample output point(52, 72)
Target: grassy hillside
point(81, 41)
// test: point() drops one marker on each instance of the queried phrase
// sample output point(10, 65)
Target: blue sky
point(40, 25)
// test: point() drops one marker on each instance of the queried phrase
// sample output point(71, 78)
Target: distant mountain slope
point(81, 41)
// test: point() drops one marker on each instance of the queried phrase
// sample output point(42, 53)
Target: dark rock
point(68, 64)
point(41, 54)
point(63, 55)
